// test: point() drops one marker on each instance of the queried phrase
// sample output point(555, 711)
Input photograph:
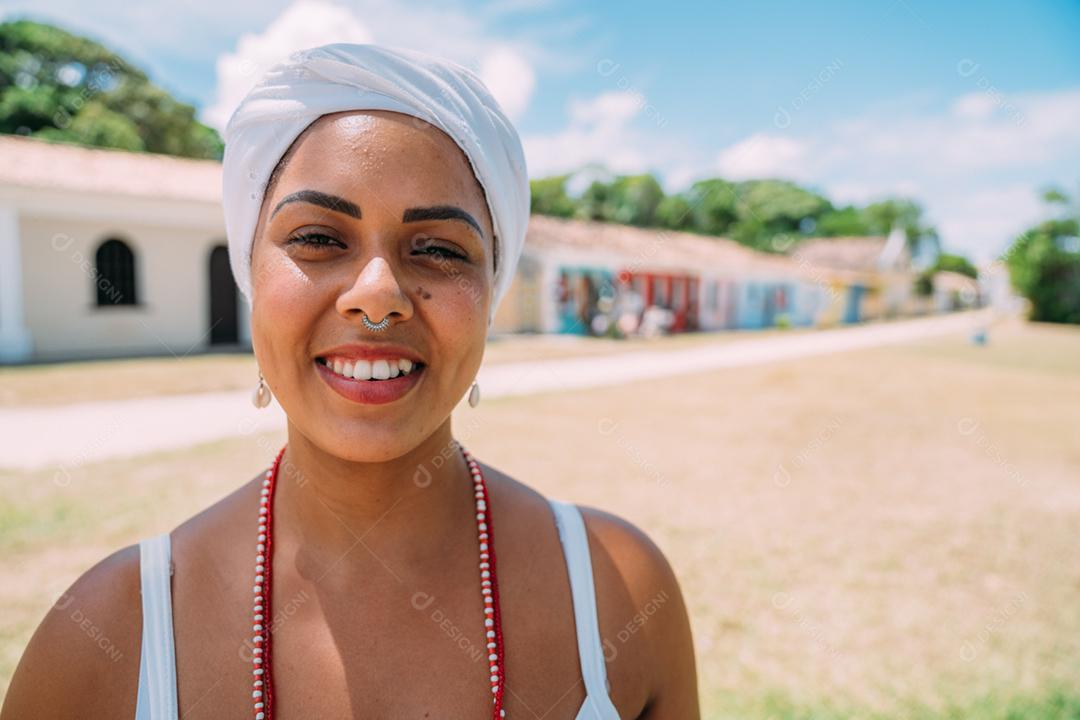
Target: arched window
point(115, 279)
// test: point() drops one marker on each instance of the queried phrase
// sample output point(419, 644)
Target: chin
point(365, 441)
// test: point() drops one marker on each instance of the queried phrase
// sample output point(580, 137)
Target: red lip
point(371, 392)
point(372, 351)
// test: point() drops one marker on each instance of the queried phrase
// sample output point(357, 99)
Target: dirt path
point(72, 435)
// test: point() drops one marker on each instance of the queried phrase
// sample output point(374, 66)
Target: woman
point(376, 202)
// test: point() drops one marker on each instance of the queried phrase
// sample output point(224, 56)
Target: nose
point(376, 293)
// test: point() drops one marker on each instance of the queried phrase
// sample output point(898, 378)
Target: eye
point(438, 251)
point(313, 239)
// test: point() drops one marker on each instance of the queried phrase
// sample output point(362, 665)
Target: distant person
point(629, 307)
point(656, 321)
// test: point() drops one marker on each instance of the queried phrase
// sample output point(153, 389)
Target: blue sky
point(969, 108)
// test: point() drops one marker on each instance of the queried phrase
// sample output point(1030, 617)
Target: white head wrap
point(343, 76)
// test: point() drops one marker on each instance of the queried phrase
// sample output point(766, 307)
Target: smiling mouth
point(371, 370)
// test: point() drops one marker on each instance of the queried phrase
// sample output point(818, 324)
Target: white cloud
point(862, 193)
point(615, 130)
point(599, 132)
point(974, 106)
point(976, 166)
point(763, 156)
point(305, 23)
point(610, 110)
point(510, 79)
point(505, 67)
point(988, 214)
point(981, 132)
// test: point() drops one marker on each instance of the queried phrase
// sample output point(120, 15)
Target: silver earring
point(261, 397)
point(474, 394)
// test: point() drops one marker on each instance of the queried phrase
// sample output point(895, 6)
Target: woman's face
point(373, 212)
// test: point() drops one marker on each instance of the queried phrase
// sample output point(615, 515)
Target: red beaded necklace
point(262, 683)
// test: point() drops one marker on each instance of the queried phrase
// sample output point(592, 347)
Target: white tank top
point(157, 665)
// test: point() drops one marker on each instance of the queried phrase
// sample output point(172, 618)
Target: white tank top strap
point(157, 664)
point(575, 542)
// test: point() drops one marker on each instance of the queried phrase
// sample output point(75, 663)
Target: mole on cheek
point(423, 293)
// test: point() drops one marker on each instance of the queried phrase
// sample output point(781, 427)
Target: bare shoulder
point(646, 615)
point(203, 532)
point(617, 546)
point(644, 625)
point(83, 659)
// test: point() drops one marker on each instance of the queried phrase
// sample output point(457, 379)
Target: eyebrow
point(441, 212)
point(416, 214)
point(330, 202)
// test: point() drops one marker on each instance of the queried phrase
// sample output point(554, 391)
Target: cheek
point(451, 308)
point(455, 310)
point(285, 305)
point(275, 274)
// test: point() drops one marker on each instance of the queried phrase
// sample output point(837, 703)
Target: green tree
point(843, 221)
point(635, 199)
point(881, 217)
point(1068, 206)
point(756, 213)
point(627, 199)
point(767, 208)
point(548, 197)
point(1044, 264)
point(957, 264)
point(59, 86)
point(675, 213)
point(712, 204)
point(596, 202)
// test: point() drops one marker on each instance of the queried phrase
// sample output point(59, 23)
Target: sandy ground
point(66, 436)
point(872, 530)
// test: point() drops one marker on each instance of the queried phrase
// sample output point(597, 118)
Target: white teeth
point(362, 370)
point(372, 369)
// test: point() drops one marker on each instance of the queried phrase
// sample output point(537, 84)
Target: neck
point(403, 511)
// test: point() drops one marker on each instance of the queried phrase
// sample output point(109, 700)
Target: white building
point(106, 253)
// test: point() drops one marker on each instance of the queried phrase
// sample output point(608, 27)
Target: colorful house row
point(583, 277)
point(106, 253)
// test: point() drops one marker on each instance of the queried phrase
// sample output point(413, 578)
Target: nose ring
point(381, 325)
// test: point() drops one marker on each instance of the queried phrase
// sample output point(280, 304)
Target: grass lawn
point(884, 533)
